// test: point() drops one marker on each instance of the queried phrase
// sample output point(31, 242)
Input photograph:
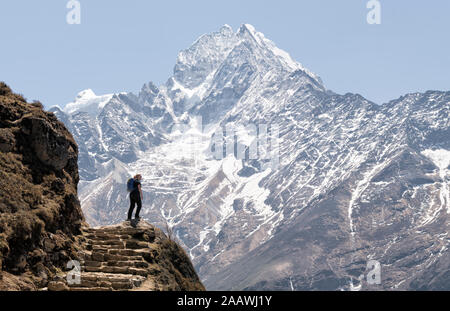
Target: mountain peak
point(279, 56)
point(87, 101)
point(226, 29)
point(248, 32)
point(204, 56)
point(88, 93)
point(247, 27)
point(210, 51)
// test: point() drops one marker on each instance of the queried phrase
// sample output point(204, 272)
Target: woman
point(135, 197)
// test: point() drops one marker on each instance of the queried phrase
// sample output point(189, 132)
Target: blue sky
point(120, 45)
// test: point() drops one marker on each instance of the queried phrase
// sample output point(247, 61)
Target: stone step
point(100, 248)
point(119, 270)
point(133, 264)
point(123, 255)
point(91, 283)
point(90, 263)
point(106, 269)
point(105, 242)
point(101, 234)
point(96, 240)
point(109, 245)
point(122, 285)
point(88, 230)
point(105, 248)
point(138, 271)
point(115, 231)
point(132, 231)
point(112, 277)
point(124, 252)
point(135, 244)
point(128, 263)
point(117, 285)
point(145, 254)
point(91, 289)
point(120, 255)
point(111, 257)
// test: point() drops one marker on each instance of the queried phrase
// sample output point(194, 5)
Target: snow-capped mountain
point(327, 182)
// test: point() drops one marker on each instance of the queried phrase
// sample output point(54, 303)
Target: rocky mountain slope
point(337, 180)
point(42, 227)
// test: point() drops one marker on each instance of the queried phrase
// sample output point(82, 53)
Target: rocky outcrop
point(42, 228)
point(128, 256)
point(39, 210)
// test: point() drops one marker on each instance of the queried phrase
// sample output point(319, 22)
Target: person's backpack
point(130, 184)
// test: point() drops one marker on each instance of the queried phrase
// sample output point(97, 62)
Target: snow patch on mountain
point(441, 158)
point(87, 101)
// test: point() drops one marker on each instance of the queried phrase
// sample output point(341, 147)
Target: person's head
point(138, 177)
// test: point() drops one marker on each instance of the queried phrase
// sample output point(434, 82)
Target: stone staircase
point(117, 257)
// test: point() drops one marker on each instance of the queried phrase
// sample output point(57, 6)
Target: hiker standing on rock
point(134, 187)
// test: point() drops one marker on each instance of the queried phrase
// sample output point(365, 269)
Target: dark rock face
point(39, 209)
point(51, 148)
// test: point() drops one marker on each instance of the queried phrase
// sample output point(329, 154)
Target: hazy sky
point(120, 45)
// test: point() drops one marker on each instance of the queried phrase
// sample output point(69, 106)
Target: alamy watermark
point(374, 15)
point(373, 276)
point(259, 142)
point(73, 276)
point(73, 16)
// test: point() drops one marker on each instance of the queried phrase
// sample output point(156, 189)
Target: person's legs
point(132, 204)
point(139, 205)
